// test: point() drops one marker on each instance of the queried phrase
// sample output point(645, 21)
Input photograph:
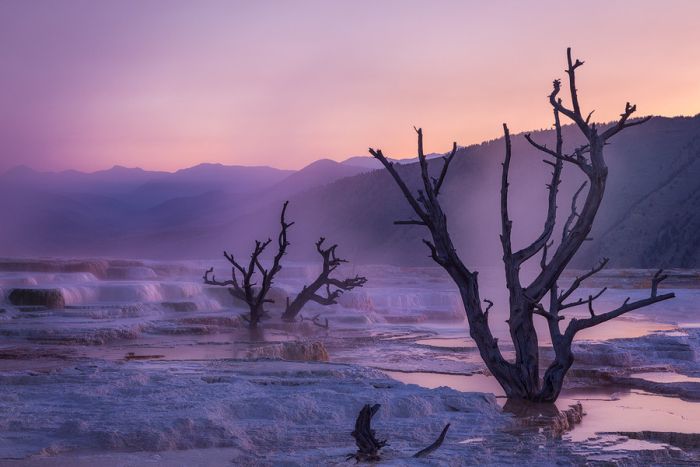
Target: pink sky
point(170, 84)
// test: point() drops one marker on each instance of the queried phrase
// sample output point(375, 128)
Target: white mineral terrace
point(142, 364)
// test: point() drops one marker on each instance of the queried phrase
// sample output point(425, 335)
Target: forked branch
point(574, 212)
point(623, 122)
point(445, 166)
point(553, 189)
point(579, 224)
point(316, 320)
point(579, 280)
point(427, 207)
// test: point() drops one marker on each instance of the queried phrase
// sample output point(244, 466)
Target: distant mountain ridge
point(370, 162)
point(649, 216)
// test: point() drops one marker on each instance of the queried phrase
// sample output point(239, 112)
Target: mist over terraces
point(649, 215)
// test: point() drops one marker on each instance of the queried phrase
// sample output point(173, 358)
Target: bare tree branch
point(309, 292)
point(581, 301)
point(506, 223)
point(574, 213)
point(442, 251)
point(539, 310)
point(213, 281)
point(368, 445)
point(410, 222)
point(445, 166)
point(316, 320)
point(576, 325)
point(436, 444)
point(400, 183)
point(545, 250)
point(255, 298)
point(553, 188)
point(571, 71)
point(557, 155)
point(622, 123)
point(579, 279)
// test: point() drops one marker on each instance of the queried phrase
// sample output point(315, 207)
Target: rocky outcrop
point(297, 351)
point(49, 298)
point(547, 418)
point(686, 441)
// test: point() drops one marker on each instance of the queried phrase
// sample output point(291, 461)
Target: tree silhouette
point(246, 289)
point(521, 378)
point(334, 287)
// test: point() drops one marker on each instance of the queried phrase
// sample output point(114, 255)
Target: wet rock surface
point(545, 418)
point(295, 351)
point(689, 441)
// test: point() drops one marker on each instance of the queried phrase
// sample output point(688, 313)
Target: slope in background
point(649, 215)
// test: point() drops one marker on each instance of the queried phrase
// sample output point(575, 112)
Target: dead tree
point(310, 292)
point(521, 378)
point(246, 288)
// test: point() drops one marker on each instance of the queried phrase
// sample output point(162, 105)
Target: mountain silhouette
point(649, 215)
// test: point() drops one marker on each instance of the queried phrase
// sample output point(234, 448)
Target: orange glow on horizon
point(174, 84)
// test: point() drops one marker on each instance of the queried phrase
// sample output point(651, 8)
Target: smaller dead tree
point(334, 287)
point(245, 289)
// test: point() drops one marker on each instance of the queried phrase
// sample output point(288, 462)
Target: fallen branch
point(435, 445)
point(316, 320)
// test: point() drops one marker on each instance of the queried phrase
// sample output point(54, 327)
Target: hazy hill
point(649, 216)
point(318, 173)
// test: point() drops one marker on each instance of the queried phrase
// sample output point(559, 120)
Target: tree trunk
point(294, 307)
point(524, 337)
point(553, 379)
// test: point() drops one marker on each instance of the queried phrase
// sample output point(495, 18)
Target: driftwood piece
point(368, 445)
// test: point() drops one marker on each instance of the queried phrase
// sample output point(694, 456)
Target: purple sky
point(169, 84)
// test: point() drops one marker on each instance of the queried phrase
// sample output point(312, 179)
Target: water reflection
point(465, 383)
point(605, 411)
point(665, 377)
point(621, 328)
point(634, 411)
